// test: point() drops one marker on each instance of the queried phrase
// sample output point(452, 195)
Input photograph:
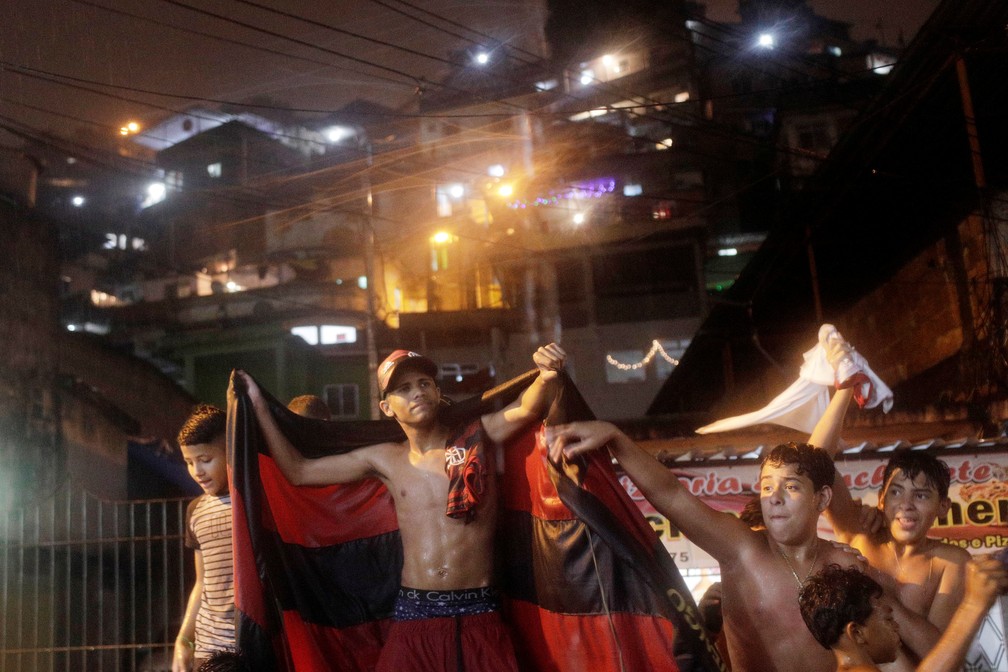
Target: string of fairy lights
point(656, 349)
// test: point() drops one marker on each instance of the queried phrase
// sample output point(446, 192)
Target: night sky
point(94, 64)
point(865, 15)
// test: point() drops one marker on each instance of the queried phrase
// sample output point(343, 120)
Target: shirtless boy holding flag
point(762, 570)
point(443, 485)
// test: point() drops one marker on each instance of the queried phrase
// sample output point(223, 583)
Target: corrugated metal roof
point(736, 447)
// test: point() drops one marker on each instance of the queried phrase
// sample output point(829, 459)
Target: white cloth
point(802, 404)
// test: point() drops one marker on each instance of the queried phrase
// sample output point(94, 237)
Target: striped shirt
point(208, 530)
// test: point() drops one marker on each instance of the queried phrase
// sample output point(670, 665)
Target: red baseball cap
point(403, 360)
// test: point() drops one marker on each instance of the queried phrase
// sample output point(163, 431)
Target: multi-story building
point(585, 197)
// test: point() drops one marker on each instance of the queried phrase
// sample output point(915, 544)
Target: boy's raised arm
point(985, 579)
point(719, 534)
point(532, 403)
point(297, 468)
point(843, 513)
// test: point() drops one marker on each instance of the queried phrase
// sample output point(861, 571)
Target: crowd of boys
point(789, 600)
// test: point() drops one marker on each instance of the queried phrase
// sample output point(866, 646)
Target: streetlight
point(336, 133)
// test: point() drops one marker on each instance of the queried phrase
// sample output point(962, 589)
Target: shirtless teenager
point(925, 575)
point(761, 570)
point(849, 614)
point(446, 616)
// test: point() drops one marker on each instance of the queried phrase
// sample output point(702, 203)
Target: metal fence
point(94, 585)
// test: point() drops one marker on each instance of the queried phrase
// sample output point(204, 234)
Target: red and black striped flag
point(587, 584)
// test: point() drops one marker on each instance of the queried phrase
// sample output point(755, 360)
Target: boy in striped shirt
point(208, 624)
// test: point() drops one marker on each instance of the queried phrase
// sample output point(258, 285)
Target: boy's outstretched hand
point(577, 438)
point(986, 578)
point(242, 381)
point(549, 359)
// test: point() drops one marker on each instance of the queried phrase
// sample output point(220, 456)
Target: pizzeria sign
point(977, 519)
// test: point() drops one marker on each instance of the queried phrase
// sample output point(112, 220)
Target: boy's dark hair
point(205, 424)
point(752, 513)
point(811, 462)
point(225, 661)
point(835, 597)
point(915, 462)
point(310, 406)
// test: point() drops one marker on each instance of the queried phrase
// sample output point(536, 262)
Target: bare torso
point(439, 552)
point(917, 576)
point(918, 579)
point(762, 621)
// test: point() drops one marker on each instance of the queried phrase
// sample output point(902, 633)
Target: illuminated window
point(446, 195)
point(662, 210)
point(173, 180)
point(214, 169)
point(332, 334)
point(881, 64)
point(616, 374)
point(674, 349)
point(309, 334)
point(326, 334)
point(589, 114)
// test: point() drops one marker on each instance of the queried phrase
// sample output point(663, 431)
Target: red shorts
point(478, 643)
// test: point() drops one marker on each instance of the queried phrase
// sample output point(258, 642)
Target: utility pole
point(367, 237)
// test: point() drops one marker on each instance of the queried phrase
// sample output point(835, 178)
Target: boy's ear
point(823, 498)
point(853, 632)
point(386, 409)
